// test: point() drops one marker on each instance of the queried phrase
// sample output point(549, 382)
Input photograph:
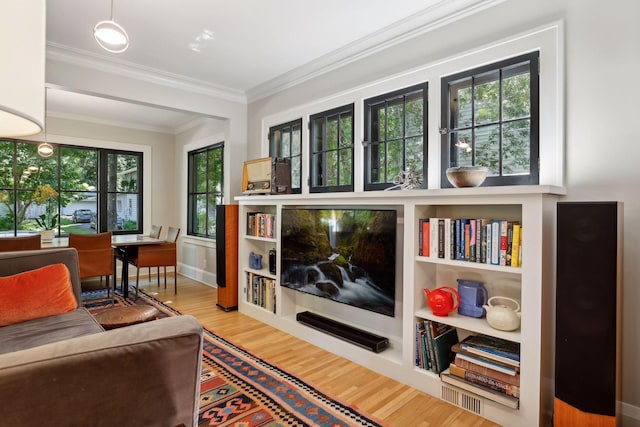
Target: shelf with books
point(468, 324)
point(470, 265)
point(530, 284)
point(261, 239)
point(260, 291)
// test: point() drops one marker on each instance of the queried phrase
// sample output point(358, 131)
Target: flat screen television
point(346, 255)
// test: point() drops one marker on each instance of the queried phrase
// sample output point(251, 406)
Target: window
point(395, 129)
point(491, 114)
point(331, 136)
point(70, 199)
point(205, 189)
point(123, 175)
point(285, 141)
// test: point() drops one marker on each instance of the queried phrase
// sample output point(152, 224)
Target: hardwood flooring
point(384, 399)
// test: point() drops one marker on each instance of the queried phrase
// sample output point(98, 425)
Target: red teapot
point(440, 300)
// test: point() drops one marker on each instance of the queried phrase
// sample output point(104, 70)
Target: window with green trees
point(285, 142)
point(63, 192)
point(395, 137)
point(205, 189)
point(491, 119)
point(331, 136)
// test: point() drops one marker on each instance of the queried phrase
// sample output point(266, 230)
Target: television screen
point(346, 255)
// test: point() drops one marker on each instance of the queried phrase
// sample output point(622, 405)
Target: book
point(494, 243)
point(424, 238)
point(442, 344)
point(488, 369)
point(508, 368)
point(485, 381)
point(504, 226)
point(515, 246)
point(510, 401)
point(433, 230)
point(493, 348)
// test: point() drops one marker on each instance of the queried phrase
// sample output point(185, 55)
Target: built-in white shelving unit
point(531, 284)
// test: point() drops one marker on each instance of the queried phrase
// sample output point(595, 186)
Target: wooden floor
point(382, 398)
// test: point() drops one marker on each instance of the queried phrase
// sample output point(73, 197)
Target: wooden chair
point(20, 243)
point(95, 256)
point(160, 255)
point(117, 255)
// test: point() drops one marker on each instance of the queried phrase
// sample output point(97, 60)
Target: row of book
point(488, 241)
point(486, 366)
point(261, 291)
point(261, 224)
point(433, 345)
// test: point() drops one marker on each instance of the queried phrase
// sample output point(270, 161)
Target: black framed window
point(205, 189)
point(121, 203)
point(331, 137)
point(285, 141)
point(395, 136)
point(36, 192)
point(492, 120)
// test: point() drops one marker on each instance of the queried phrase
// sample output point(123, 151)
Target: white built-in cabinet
point(534, 207)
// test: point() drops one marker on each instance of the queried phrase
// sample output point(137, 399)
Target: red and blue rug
point(239, 389)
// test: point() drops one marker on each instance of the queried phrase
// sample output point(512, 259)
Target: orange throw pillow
point(43, 292)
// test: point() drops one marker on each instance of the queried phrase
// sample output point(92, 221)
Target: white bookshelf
point(531, 284)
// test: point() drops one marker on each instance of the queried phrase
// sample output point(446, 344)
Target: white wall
point(600, 107)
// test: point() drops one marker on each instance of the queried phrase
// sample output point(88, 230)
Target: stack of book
point(260, 291)
point(486, 366)
point(261, 224)
point(487, 241)
point(433, 345)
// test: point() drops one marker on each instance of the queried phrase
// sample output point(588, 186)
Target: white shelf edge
point(264, 272)
point(468, 264)
point(471, 324)
point(261, 239)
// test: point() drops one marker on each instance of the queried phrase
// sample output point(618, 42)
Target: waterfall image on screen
point(346, 255)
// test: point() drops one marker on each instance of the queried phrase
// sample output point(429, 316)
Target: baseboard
point(197, 274)
point(630, 411)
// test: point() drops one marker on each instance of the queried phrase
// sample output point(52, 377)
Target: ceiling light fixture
point(110, 35)
point(44, 148)
point(22, 43)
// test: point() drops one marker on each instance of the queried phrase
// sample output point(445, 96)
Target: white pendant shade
point(22, 44)
point(111, 36)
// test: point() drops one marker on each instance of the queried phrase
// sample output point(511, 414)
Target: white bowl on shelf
point(467, 176)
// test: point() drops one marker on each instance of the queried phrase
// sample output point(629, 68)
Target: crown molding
point(66, 54)
point(441, 13)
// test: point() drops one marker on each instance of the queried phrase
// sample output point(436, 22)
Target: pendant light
point(44, 148)
point(22, 43)
point(110, 35)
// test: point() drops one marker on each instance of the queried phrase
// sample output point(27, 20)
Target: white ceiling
point(244, 48)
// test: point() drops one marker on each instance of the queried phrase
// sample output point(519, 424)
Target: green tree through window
point(491, 114)
point(395, 135)
point(205, 189)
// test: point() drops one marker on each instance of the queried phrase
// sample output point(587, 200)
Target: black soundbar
point(348, 333)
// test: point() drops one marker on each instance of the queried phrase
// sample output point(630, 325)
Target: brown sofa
point(66, 370)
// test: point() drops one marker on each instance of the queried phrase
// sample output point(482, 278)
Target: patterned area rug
point(242, 390)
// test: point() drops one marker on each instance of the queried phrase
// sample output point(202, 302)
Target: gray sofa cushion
point(37, 332)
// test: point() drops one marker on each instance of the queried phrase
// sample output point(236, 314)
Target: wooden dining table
point(120, 242)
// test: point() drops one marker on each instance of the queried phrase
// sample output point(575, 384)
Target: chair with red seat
point(95, 256)
point(20, 243)
point(158, 255)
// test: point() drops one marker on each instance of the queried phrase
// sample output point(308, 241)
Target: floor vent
point(464, 400)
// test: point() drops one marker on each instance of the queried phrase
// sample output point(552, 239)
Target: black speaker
point(227, 256)
point(280, 176)
point(587, 313)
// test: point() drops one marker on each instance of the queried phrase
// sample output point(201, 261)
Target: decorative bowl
point(467, 176)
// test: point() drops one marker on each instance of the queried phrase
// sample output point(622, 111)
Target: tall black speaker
point(588, 307)
point(227, 256)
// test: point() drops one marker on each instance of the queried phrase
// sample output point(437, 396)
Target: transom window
point(285, 141)
point(205, 189)
point(395, 141)
point(331, 136)
point(491, 114)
